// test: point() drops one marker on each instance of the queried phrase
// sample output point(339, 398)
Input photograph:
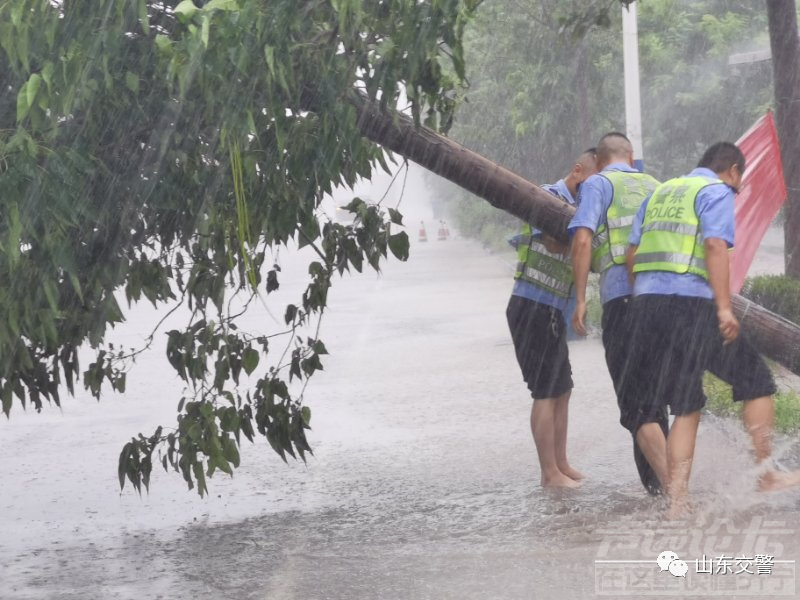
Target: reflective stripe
point(625, 221)
point(603, 263)
point(539, 247)
point(671, 258)
point(542, 268)
point(600, 238)
point(558, 287)
point(682, 228)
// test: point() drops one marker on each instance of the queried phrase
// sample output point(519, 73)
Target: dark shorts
point(618, 332)
point(617, 327)
point(539, 333)
point(676, 339)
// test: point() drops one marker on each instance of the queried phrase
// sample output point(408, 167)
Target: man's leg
point(651, 440)
point(680, 453)
point(758, 415)
point(759, 420)
point(561, 416)
point(544, 361)
point(544, 436)
point(740, 365)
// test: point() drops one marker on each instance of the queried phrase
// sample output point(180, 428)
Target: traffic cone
point(423, 236)
point(442, 233)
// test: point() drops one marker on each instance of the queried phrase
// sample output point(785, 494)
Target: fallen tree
point(773, 335)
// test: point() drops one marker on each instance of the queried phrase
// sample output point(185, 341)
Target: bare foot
point(679, 509)
point(559, 480)
point(772, 481)
point(571, 473)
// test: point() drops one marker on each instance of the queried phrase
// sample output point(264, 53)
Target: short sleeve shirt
point(596, 196)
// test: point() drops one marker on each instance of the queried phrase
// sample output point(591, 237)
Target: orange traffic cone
point(442, 233)
point(423, 236)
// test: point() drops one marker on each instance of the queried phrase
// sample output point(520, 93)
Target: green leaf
point(269, 55)
point(230, 451)
point(226, 5)
point(398, 244)
point(119, 383)
point(200, 476)
point(305, 412)
point(23, 106)
point(291, 313)
point(51, 293)
point(250, 360)
point(395, 216)
point(272, 281)
point(32, 88)
point(204, 30)
point(144, 17)
point(123, 464)
point(163, 43)
point(186, 8)
point(47, 74)
point(7, 399)
point(132, 82)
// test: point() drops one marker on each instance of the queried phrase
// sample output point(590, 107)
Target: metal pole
point(633, 106)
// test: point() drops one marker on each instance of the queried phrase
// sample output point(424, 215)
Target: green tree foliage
point(546, 80)
point(162, 151)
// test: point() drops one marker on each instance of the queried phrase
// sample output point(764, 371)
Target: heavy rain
point(240, 214)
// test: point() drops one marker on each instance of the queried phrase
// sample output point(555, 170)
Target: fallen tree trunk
point(773, 335)
point(497, 185)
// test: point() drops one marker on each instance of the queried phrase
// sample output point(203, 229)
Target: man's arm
point(718, 267)
point(581, 262)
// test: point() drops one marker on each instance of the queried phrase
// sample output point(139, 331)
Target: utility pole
point(633, 105)
point(785, 46)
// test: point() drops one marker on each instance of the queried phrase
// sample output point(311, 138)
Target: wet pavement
point(423, 483)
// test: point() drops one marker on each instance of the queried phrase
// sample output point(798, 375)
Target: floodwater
point(423, 483)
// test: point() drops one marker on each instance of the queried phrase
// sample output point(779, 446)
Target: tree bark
point(773, 335)
point(497, 185)
point(785, 45)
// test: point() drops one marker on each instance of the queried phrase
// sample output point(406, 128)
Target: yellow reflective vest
point(610, 241)
point(671, 239)
point(540, 267)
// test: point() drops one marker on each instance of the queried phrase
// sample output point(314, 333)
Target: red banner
point(760, 197)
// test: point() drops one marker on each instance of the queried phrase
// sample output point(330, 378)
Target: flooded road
point(423, 483)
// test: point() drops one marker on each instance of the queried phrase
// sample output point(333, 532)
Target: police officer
point(600, 230)
point(535, 313)
point(679, 256)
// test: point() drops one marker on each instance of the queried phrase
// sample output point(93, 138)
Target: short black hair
point(592, 150)
point(611, 145)
point(722, 156)
point(611, 134)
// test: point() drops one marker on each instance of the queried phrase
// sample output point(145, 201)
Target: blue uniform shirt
point(596, 196)
point(529, 290)
point(714, 206)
